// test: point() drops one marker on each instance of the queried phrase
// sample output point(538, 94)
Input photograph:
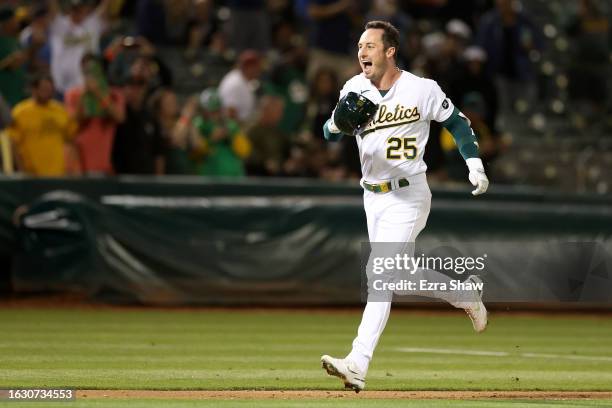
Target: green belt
point(385, 187)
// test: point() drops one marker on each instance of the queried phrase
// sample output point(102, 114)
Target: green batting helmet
point(353, 112)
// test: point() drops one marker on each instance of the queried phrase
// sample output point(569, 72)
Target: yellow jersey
point(39, 133)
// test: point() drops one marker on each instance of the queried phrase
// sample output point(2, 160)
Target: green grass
point(142, 349)
point(316, 404)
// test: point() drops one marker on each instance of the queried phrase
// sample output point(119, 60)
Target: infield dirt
point(417, 395)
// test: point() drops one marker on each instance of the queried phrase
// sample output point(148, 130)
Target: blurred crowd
point(87, 87)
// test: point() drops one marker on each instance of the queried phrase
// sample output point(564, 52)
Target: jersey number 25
point(401, 148)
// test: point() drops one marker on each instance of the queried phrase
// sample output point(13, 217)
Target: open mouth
point(367, 66)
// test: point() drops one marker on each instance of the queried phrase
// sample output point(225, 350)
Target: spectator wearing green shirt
point(12, 58)
point(222, 145)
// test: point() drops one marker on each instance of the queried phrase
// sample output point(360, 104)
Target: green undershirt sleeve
point(463, 134)
point(329, 136)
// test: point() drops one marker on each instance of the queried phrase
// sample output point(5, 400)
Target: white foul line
point(567, 356)
point(501, 354)
point(453, 351)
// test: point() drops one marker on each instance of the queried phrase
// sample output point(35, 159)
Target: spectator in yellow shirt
point(40, 129)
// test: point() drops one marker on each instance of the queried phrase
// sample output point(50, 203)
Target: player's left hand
point(477, 176)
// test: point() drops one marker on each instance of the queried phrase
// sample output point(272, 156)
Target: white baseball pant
point(395, 217)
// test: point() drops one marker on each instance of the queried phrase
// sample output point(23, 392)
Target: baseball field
point(134, 357)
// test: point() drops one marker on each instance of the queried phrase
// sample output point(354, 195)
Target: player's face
point(371, 54)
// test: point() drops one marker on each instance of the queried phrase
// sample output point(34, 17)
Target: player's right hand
point(477, 176)
point(331, 126)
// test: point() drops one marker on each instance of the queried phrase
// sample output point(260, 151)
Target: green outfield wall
point(184, 240)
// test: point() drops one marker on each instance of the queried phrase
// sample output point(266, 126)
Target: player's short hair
point(390, 36)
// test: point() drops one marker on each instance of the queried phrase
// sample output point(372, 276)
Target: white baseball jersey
point(393, 144)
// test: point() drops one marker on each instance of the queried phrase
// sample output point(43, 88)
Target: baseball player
point(389, 111)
